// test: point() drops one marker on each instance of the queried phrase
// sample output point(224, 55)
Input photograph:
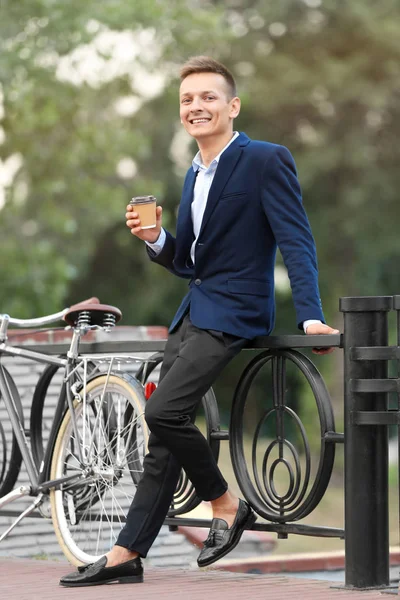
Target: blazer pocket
point(233, 196)
point(249, 286)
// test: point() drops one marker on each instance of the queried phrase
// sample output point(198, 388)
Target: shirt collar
point(197, 162)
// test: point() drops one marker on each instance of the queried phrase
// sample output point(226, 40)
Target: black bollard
point(366, 446)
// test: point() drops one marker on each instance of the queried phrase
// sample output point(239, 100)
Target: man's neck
point(210, 148)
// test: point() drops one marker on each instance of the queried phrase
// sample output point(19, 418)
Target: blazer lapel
point(184, 226)
point(226, 165)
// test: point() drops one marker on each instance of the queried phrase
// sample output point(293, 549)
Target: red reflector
point(149, 389)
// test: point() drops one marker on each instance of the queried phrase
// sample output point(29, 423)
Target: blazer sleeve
point(283, 206)
point(166, 257)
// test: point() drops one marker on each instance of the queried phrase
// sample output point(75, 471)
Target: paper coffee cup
point(145, 206)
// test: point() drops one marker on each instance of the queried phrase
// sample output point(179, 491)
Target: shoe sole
point(249, 523)
point(127, 579)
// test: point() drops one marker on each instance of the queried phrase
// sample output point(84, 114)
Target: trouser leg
point(158, 482)
point(175, 441)
point(170, 410)
point(152, 500)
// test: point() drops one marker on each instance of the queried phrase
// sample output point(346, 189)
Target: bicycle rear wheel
point(108, 444)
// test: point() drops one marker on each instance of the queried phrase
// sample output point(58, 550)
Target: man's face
point(206, 108)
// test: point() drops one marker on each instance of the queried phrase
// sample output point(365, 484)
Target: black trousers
point(193, 359)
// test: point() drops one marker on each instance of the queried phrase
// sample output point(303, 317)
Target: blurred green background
point(89, 117)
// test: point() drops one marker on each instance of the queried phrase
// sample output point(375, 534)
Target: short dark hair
point(206, 64)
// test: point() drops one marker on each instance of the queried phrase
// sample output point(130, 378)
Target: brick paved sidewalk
point(38, 580)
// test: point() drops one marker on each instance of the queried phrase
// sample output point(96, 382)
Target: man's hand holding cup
point(144, 218)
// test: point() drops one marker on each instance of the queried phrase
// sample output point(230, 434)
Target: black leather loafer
point(98, 574)
point(222, 539)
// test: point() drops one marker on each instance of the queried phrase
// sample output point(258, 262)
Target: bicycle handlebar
point(38, 322)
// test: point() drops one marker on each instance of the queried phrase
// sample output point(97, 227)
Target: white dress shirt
point(204, 179)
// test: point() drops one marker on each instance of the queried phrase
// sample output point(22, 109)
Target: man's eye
point(210, 97)
point(185, 100)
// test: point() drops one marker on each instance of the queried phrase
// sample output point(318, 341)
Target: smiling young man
point(241, 199)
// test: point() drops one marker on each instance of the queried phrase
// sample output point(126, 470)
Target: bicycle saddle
point(91, 312)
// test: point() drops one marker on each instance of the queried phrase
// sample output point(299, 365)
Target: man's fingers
point(133, 223)
point(322, 351)
point(136, 230)
point(321, 329)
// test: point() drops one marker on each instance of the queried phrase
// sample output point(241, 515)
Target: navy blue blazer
point(254, 204)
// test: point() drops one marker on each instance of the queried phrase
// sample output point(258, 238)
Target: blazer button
point(197, 281)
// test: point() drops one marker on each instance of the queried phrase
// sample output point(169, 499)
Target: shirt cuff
point(158, 245)
point(310, 322)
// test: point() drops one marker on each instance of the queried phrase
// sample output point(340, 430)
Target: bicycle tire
point(89, 513)
point(147, 367)
point(37, 409)
point(10, 467)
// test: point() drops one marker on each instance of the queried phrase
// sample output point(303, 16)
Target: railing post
point(366, 447)
point(396, 306)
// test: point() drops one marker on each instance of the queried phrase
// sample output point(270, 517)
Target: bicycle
point(93, 459)
point(85, 476)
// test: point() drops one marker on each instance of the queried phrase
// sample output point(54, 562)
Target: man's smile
point(197, 120)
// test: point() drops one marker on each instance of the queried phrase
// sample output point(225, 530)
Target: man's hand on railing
point(321, 329)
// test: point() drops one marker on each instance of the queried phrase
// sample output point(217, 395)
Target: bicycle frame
point(36, 477)
point(39, 477)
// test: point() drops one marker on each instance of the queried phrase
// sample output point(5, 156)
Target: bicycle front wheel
point(104, 449)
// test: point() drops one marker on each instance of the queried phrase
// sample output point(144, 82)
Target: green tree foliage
point(325, 82)
point(65, 70)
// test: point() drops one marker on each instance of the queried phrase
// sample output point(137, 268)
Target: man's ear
point(235, 107)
